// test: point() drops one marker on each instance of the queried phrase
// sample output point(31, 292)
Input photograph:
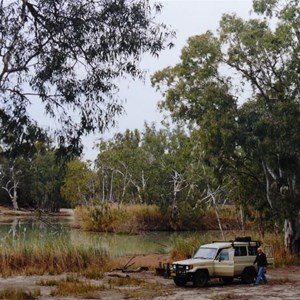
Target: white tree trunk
point(292, 236)
point(14, 201)
point(288, 236)
point(12, 192)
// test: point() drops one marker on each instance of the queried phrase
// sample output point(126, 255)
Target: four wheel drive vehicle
point(226, 260)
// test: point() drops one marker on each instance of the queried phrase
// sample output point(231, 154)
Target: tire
point(180, 282)
point(227, 280)
point(200, 278)
point(248, 275)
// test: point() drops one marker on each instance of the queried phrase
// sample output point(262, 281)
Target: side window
point(252, 250)
point(240, 251)
point(224, 255)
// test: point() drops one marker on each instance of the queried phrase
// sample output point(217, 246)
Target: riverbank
point(284, 283)
point(9, 211)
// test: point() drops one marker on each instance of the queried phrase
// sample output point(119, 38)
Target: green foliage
point(65, 57)
point(138, 166)
point(37, 180)
point(248, 152)
point(46, 175)
point(79, 183)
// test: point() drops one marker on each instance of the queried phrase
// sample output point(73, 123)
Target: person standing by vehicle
point(261, 261)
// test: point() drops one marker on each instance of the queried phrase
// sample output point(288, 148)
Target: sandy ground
point(284, 283)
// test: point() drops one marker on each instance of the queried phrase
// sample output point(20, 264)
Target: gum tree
point(266, 57)
point(254, 63)
point(80, 184)
point(63, 57)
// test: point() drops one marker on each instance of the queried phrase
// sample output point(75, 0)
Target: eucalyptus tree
point(254, 63)
point(129, 166)
point(16, 181)
point(10, 177)
point(137, 166)
point(197, 94)
point(79, 185)
point(63, 57)
point(267, 57)
point(116, 165)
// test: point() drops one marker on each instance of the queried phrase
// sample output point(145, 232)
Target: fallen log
point(139, 269)
point(118, 275)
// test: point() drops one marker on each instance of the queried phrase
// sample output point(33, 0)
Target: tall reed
point(49, 257)
point(122, 218)
point(137, 217)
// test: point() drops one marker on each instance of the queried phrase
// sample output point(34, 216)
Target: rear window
point(240, 251)
point(252, 250)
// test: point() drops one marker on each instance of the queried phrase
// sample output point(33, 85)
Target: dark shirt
point(261, 260)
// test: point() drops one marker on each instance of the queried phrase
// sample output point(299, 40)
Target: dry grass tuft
point(226, 296)
point(18, 294)
point(126, 281)
point(72, 286)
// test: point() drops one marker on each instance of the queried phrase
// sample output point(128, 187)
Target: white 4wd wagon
point(226, 260)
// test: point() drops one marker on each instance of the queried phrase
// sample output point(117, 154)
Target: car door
point(224, 263)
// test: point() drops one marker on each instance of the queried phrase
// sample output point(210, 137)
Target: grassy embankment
point(136, 218)
point(81, 263)
point(51, 258)
point(62, 257)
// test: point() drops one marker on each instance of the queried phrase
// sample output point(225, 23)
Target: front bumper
point(181, 274)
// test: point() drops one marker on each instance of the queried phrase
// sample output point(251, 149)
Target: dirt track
point(284, 283)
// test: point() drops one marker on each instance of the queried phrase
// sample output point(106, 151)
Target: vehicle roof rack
point(245, 239)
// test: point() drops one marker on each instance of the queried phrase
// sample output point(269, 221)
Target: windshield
point(206, 253)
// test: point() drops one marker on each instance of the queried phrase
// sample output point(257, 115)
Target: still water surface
point(16, 230)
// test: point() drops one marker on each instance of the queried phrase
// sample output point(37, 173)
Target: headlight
point(189, 267)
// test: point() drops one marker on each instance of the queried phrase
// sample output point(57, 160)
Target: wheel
point(227, 279)
point(248, 275)
point(200, 278)
point(179, 282)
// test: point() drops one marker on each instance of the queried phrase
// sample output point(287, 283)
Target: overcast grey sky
point(188, 18)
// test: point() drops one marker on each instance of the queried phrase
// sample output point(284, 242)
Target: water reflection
point(26, 230)
point(38, 230)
